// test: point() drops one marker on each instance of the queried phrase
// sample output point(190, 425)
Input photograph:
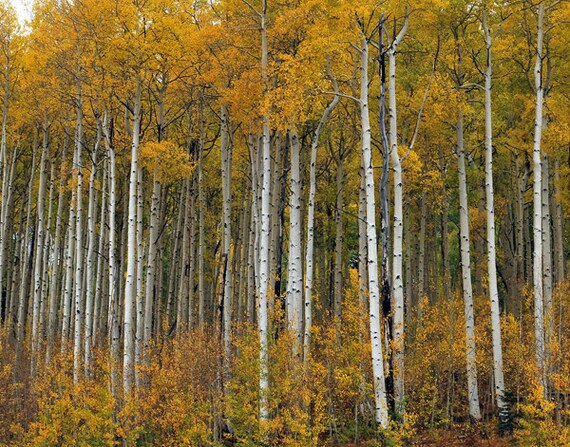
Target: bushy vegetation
point(186, 398)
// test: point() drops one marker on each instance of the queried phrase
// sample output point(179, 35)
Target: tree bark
point(381, 408)
point(130, 283)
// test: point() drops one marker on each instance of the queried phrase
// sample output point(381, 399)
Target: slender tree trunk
point(130, 283)
point(295, 268)
point(91, 237)
point(4, 169)
point(113, 310)
point(26, 259)
point(191, 258)
point(78, 239)
point(558, 226)
point(398, 332)
point(381, 408)
point(337, 299)
point(151, 261)
point(226, 147)
point(547, 250)
point(422, 252)
point(472, 390)
point(201, 292)
point(56, 265)
point(38, 268)
point(139, 347)
point(540, 351)
point(491, 250)
point(265, 220)
point(99, 283)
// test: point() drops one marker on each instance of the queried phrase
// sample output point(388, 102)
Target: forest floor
point(461, 437)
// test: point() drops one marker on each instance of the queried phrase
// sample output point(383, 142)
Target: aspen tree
point(130, 283)
point(38, 269)
point(309, 250)
point(491, 248)
point(295, 268)
point(397, 259)
point(381, 407)
point(90, 261)
point(537, 267)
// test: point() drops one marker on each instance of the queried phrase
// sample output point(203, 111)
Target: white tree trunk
point(56, 265)
point(201, 292)
point(226, 147)
point(309, 250)
point(295, 267)
point(130, 283)
point(537, 267)
point(491, 249)
point(472, 390)
point(546, 250)
point(139, 269)
point(381, 407)
point(263, 234)
point(90, 261)
point(151, 260)
point(38, 268)
point(4, 169)
point(397, 250)
point(558, 225)
point(99, 288)
point(112, 312)
point(78, 241)
point(27, 253)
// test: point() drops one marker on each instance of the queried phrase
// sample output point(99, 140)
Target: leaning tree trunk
point(309, 249)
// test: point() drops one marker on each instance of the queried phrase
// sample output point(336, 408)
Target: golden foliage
point(166, 160)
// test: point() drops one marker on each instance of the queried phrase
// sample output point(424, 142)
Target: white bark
point(546, 248)
point(38, 268)
point(130, 283)
point(90, 261)
point(295, 267)
point(263, 270)
point(472, 390)
point(537, 267)
point(4, 169)
point(491, 249)
point(139, 333)
point(201, 292)
point(151, 261)
point(112, 312)
point(226, 148)
point(397, 250)
point(381, 407)
point(27, 252)
point(99, 287)
point(78, 240)
point(309, 253)
point(56, 265)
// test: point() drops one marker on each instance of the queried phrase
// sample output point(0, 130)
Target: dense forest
point(285, 223)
